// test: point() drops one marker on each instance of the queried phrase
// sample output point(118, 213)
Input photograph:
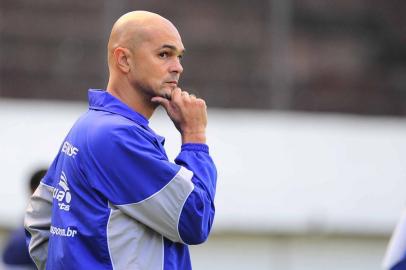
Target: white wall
point(277, 172)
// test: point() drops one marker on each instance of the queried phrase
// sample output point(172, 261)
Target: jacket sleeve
point(197, 214)
point(395, 257)
point(37, 222)
point(135, 176)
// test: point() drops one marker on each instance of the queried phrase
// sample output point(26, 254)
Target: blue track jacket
point(395, 257)
point(112, 200)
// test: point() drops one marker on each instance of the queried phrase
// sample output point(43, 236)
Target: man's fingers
point(176, 93)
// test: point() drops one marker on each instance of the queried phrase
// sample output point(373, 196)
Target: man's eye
point(163, 54)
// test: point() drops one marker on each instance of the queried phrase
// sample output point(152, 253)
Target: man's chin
point(167, 96)
point(166, 92)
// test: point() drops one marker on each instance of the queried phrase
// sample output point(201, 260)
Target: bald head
point(144, 57)
point(135, 27)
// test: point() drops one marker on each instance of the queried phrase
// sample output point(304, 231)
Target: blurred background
point(307, 105)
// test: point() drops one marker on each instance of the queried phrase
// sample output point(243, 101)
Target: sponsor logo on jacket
point(65, 232)
point(69, 149)
point(62, 193)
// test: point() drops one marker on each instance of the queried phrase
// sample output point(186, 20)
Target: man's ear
point(121, 59)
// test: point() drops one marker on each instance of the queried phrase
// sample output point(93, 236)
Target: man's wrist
point(193, 138)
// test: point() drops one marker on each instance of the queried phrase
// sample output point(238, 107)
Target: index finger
point(176, 94)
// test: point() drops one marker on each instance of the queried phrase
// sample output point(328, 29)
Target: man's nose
point(176, 66)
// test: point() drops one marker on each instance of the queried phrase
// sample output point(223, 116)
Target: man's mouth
point(175, 83)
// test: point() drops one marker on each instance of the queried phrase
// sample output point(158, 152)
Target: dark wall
point(313, 55)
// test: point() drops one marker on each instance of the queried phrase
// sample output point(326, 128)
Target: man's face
point(155, 63)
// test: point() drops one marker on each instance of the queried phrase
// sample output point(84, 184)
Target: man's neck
point(134, 100)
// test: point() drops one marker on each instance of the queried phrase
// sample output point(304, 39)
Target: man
point(111, 199)
point(395, 258)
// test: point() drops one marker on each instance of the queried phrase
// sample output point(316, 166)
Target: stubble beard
point(148, 91)
point(165, 91)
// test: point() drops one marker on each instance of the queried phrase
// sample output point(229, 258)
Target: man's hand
point(188, 113)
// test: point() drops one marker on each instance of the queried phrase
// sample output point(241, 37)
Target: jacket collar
point(103, 101)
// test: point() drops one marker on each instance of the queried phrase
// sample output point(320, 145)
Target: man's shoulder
point(109, 127)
